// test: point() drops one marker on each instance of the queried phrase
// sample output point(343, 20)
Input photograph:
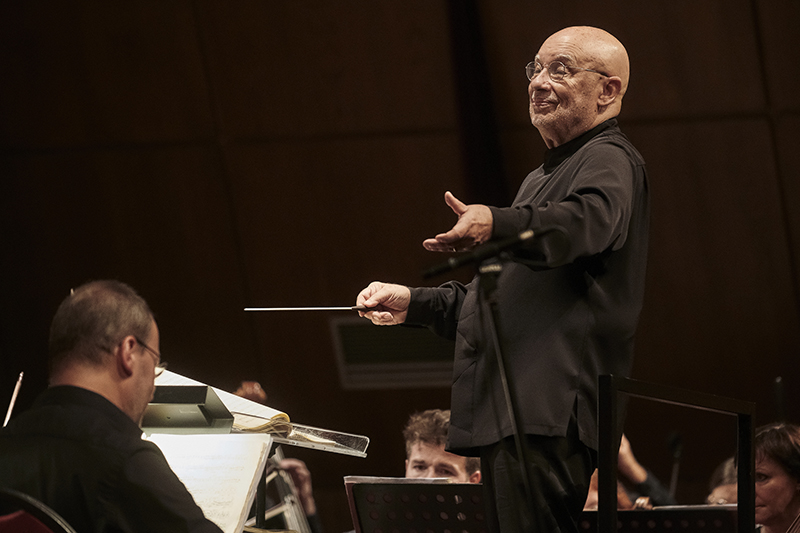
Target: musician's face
point(431, 461)
point(777, 494)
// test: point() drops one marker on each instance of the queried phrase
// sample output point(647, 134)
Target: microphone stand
point(488, 273)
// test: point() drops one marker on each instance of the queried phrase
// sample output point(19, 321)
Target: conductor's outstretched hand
point(474, 227)
point(390, 303)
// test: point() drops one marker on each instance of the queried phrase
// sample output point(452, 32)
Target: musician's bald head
point(600, 50)
point(595, 78)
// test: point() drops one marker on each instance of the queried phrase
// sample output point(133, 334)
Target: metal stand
point(488, 273)
point(289, 506)
point(610, 386)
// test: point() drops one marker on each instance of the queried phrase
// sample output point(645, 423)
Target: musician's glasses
point(160, 365)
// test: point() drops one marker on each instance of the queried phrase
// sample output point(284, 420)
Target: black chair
point(12, 501)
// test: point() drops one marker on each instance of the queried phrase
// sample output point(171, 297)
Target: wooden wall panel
point(97, 73)
point(156, 219)
point(788, 137)
point(283, 70)
point(720, 308)
point(779, 21)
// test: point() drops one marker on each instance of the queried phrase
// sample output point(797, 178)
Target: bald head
point(589, 77)
point(596, 49)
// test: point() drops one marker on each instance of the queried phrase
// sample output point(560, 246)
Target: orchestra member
point(777, 453)
point(79, 449)
point(426, 435)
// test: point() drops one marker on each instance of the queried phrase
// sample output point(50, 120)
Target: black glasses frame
point(160, 365)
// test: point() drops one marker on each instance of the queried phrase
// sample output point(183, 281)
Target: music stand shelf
point(325, 440)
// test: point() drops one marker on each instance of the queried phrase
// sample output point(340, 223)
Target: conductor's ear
point(612, 87)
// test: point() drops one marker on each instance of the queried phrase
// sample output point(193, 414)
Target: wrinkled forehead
point(561, 48)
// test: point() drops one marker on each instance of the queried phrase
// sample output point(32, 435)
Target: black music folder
point(414, 505)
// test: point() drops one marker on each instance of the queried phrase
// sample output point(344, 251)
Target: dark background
point(218, 155)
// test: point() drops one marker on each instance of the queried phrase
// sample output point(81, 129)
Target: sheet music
point(221, 472)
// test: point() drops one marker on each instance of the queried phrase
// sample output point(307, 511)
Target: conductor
point(568, 302)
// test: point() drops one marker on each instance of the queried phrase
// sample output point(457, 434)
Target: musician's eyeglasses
point(160, 365)
point(555, 69)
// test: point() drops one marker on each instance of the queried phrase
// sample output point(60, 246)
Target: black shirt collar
point(68, 395)
point(555, 156)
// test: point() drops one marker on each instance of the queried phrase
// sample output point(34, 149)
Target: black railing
point(611, 386)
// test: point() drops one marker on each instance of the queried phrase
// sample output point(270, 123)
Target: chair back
point(22, 513)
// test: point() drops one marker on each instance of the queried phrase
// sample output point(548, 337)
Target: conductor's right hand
point(388, 303)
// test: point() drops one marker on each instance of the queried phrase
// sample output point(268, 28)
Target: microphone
point(479, 254)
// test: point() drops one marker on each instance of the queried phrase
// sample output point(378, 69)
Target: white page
point(221, 472)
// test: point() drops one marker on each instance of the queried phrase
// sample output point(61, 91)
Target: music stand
point(190, 410)
point(415, 505)
point(670, 519)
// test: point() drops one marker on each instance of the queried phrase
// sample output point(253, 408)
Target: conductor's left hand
point(474, 227)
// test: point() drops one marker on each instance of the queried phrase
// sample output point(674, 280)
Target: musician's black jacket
point(78, 453)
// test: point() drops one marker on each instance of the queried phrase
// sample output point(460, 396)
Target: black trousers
point(559, 469)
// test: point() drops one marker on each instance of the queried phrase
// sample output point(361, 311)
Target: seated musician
point(723, 487)
point(777, 454)
point(79, 449)
point(426, 436)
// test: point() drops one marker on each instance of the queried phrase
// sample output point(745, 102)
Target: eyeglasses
point(160, 365)
point(555, 69)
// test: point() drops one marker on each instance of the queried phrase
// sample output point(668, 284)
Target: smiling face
point(563, 109)
point(777, 495)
